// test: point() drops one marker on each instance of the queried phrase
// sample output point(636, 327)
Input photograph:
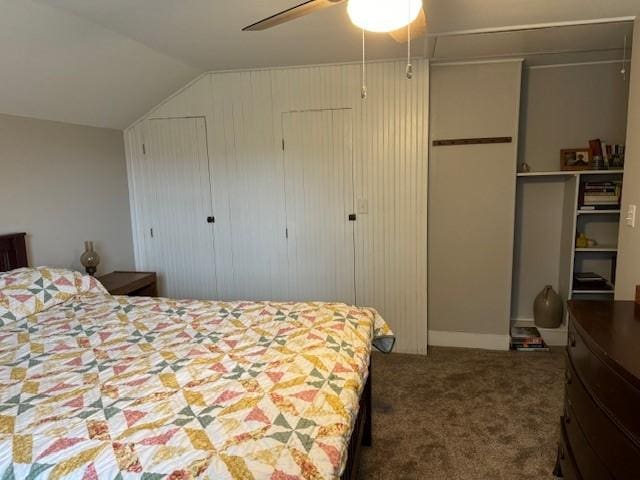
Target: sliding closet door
point(318, 164)
point(180, 232)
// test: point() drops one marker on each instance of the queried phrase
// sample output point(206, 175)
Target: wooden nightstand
point(133, 284)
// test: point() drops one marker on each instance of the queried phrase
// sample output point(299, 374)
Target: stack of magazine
point(527, 339)
point(600, 195)
point(590, 281)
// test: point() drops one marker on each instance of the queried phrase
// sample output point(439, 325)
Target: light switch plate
point(363, 205)
point(630, 219)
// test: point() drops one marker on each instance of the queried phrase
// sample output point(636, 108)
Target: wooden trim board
point(471, 141)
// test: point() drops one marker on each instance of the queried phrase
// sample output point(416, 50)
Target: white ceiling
point(207, 33)
point(569, 44)
point(106, 62)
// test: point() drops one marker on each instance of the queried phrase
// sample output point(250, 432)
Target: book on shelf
point(601, 200)
point(610, 188)
point(538, 343)
point(524, 332)
point(588, 277)
point(527, 339)
point(526, 349)
point(605, 207)
point(605, 185)
point(598, 194)
point(601, 287)
point(605, 154)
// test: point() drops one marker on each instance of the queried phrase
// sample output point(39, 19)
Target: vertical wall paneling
point(133, 144)
point(182, 237)
point(142, 188)
point(318, 171)
point(390, 128)
point(392, 173)
point(248, 188)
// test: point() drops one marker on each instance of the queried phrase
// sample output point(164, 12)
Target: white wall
point(64, 184)
point(472, 203)
point(243, 112)
point(628, 273)
point(566, 106)
point(539, 217)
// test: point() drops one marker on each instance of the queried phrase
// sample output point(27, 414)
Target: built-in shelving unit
point(600, 225)
point(549, 212)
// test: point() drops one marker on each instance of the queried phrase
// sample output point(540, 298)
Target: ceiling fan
point(403, 20)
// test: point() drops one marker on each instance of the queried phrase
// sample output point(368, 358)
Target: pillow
point(27, 291)
point(88, 284)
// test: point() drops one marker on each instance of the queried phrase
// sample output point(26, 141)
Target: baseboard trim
point(485, 341)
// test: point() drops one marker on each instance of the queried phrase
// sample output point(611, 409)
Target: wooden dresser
point(600, 426)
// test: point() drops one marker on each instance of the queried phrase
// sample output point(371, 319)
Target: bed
point(101, 386)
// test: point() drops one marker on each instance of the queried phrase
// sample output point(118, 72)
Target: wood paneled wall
point(243, 111)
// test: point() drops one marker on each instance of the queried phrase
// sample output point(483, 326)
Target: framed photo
point(575, 159)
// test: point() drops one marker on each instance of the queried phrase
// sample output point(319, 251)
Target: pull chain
point(409, 66)
point(363, 91)
point(623, 72)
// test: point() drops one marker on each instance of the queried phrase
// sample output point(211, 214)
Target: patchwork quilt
point(94, 386)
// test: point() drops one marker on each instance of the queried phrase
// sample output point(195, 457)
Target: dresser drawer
point(565, 457)
point(589, 464)
point(620, 455)
point(618, 396)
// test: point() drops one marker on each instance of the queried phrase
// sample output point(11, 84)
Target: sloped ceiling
point(106, 62)
point(57, 66)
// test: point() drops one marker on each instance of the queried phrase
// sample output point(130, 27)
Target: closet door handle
point(211, 219)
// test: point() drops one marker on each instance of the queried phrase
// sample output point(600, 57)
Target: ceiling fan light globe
point(383, 15)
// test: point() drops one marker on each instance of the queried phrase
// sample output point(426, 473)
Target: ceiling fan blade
point(418, 29)
point(292, 13)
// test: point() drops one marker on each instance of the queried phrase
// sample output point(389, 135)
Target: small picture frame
point(575, 159)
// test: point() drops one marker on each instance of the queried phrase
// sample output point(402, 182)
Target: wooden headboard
point(13, 251)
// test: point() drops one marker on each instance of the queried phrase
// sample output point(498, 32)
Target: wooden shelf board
point(601, 172)
point(592, 292)
point(597, 249)
point(568, 173)
point(547, 174)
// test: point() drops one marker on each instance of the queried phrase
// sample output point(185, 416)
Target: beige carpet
point(465, 415)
